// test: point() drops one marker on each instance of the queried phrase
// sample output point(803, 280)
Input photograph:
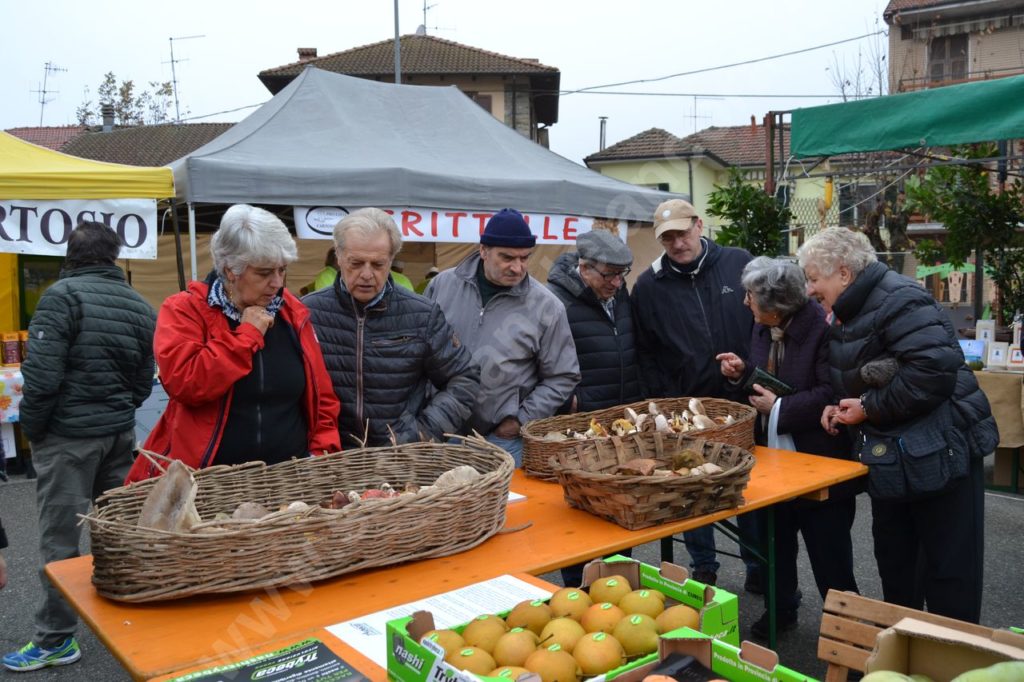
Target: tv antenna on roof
point(174, 75)
point(48, 68)
point(425, 8)
point(694, 115)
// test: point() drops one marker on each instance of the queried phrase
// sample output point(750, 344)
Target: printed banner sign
point(440, 225)
point(42, 226)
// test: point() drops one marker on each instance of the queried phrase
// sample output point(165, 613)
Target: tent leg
point(178, 257)
point(192, 240)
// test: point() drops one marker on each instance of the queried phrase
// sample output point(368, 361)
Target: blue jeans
point(513, 446)
point(700, 543)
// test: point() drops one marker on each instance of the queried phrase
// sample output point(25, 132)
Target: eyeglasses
point(610, 276)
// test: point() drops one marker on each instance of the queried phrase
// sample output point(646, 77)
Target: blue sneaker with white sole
point(33, 657)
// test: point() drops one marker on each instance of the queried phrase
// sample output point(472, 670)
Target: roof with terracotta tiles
point(730, 145)
point(153, 145)
point(896, 6)
point(53, 137)
point(424, 55)
point(421, 54)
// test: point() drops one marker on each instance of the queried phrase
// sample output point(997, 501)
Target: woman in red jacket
point(239, 359)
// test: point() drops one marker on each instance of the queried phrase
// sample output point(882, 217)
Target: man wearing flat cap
point(591, 283)
point(688, 308)
point(516, 329)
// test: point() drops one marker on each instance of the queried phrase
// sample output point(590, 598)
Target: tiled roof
point(154, 145)
point(897, 6)
point(731, 145)
point(424, 55)
point(651, 143)
point(737, 145)
point(421, 54)
point(53, 137)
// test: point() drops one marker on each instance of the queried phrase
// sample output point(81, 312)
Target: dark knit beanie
point(507, 228)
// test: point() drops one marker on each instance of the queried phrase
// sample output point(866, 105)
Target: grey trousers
point(71, 473)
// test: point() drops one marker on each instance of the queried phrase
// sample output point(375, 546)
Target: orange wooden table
point(159, 638)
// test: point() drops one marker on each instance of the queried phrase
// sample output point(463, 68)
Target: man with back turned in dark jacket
point(689, 308)
point(89, 366)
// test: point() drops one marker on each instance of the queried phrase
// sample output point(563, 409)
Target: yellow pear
point(610, 589)
point(532, 615)
point(642, 601)
point(553, 664)
point(598, 652)
point(449, 640)
point(508, 672)
point(601, 617)
point(472, 659)
point(638, 634)
point(563, 631)
point(571, 602)
point(483, 631)
point(513, 647)
point(678, 616)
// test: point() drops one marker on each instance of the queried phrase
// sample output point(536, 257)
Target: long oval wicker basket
point(286, 548)
point(537, 450)
point(632, 501)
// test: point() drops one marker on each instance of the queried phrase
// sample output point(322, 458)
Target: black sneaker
point(704, 575)
point(784, 620)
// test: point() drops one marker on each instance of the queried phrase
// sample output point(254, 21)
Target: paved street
point(1004, 598)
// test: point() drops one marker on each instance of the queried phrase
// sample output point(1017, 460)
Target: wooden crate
point(851, 623)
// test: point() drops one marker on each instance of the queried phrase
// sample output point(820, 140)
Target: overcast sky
point(592, 42)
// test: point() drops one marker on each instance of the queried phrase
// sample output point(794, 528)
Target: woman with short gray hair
point(923, 426)
point(787, 377)
point(239, 359)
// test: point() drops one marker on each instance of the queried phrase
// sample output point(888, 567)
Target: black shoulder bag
point(914, 460)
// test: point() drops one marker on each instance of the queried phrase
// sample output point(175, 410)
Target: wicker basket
point(537, 451)
point(286, 548)
point(636, 502)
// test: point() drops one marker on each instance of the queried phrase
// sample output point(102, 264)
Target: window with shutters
point(947, 58)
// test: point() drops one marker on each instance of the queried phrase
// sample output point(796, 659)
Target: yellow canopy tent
point(32, 178)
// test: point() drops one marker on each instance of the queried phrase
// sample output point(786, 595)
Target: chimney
point(604, 121)
point(307, 53)
point(753, 123)
point(108, 117)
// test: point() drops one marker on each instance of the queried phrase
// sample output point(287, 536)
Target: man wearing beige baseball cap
point(689, 308)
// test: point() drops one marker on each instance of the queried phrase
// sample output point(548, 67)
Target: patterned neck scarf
point(218, 298)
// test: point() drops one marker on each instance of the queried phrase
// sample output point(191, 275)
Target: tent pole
point(192, 239)
point(178, 258)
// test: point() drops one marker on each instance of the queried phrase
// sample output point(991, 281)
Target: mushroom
point(703, 422)
point(661, 424)
point(697, 407)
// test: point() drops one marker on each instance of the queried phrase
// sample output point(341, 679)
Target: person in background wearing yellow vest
point(422, 286)
point(325, 277)
point(397, 268)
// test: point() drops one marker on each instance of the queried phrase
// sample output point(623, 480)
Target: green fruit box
point(748, 663)
point(410, 660)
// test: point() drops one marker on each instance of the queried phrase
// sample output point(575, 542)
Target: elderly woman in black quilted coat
point(928, 545)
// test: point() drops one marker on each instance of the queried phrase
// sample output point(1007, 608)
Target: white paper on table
point(367, 634)
point(515, 497)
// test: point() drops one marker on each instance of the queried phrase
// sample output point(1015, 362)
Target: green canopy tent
point(955, 114)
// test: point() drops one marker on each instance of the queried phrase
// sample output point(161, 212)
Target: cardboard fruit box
point(747, 663)
point(410, 660)
point(914, 646)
